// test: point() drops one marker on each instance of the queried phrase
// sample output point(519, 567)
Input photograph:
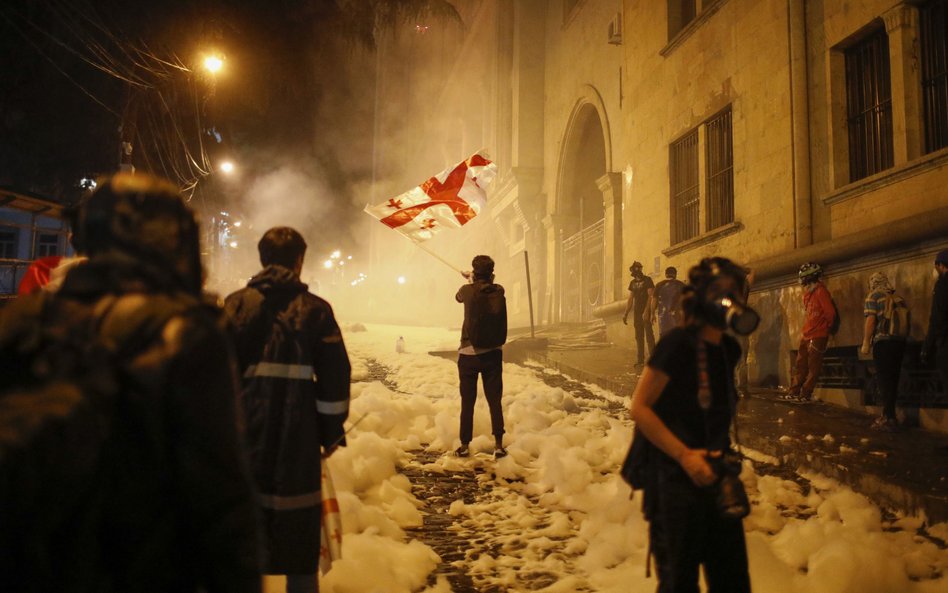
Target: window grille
point(869, 106)
point(933, 23)
point(719, 155)
point(683, 169)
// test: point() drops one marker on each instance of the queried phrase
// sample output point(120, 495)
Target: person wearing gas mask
point(684, 404)
point(820, 315)
point(641, 289)
point(935, 348)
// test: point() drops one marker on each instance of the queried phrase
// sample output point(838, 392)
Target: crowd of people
point(885, 332)
point(151, 440)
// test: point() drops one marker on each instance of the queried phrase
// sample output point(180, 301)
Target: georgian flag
point(449, 199)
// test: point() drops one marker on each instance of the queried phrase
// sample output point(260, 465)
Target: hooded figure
point(172, 506)
point(295, 396)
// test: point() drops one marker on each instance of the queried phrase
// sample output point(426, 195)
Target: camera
point(730, 496)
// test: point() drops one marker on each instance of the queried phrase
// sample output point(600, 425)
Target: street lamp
point(213, 64)
point(227, 167)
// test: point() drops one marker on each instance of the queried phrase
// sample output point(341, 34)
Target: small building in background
point(31, 227)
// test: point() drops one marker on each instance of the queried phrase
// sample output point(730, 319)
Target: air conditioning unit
point(615, 30)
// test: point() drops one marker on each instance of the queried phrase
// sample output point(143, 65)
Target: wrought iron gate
point(582, 277)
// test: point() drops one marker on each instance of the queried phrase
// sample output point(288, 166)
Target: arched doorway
point(580, 203)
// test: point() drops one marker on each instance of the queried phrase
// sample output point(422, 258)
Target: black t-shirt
point(639, 288)
point(676, 356)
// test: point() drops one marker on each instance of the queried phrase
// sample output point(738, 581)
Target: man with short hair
point(641, 288)
point(819, 317)
point(935, 349)
point(296, 375)
point(481, 351)
point(666, 301)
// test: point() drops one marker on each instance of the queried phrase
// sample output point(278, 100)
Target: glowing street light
point(336, 254)
point(233, 244)
point(401, 280)
point(227, 167)
point(213, 64)
point(237, 224)
point(327, 264)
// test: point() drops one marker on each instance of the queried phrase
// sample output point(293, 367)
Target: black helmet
point(810, 272)
point(143, 218)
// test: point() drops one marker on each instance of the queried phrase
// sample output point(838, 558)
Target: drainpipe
point(799, 123)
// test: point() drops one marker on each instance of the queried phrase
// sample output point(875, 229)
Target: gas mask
point(725, 312)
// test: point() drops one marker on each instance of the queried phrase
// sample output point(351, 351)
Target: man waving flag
point(449, 199)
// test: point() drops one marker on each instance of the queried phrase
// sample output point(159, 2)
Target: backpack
point(635, 467)
point(61, 385)
point(834, 327)
point(895, 319)
point(487, 321)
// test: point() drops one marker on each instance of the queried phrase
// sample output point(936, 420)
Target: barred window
point(869, 106)
point(685, 195)
point(719, 159)
point(47, 244)
point(933, 23)
point(8, 239)
point(680, 13)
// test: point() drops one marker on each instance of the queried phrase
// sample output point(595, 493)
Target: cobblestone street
point(462, 546)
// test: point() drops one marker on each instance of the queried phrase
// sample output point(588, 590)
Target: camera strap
point(704, 387)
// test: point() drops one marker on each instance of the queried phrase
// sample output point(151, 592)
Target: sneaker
point(499, 452)
point(884, 424)
point(462, 451)
point(794, 398)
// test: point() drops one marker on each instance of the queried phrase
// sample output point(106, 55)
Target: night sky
point(81, 76)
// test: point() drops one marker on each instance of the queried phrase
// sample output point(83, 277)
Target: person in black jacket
point(935, 349)
point(171, 508)
point(683, 404)
point(296, 398)
point(487, 358)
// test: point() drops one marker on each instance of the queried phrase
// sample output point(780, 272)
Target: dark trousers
point(941, 363)
point(686, 532)
point(302, 583)
point(809, 363)
point(888, 355)
point(490, 366)
point(643, 333)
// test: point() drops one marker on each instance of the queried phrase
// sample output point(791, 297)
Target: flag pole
point(433, 254)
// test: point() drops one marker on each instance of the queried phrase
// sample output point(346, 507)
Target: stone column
point(610, 185)
point(901, 23)
point(557, 226)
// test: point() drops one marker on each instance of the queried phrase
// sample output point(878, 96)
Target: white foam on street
point(558, 516)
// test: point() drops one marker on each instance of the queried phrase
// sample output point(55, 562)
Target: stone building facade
point(774, 132)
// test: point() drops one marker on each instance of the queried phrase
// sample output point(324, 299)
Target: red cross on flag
point(449, 199)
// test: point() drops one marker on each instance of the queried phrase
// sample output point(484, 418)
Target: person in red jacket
point(820, 315)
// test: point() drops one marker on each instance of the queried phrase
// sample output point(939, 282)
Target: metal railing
point(933, 40)
point(685, 194)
